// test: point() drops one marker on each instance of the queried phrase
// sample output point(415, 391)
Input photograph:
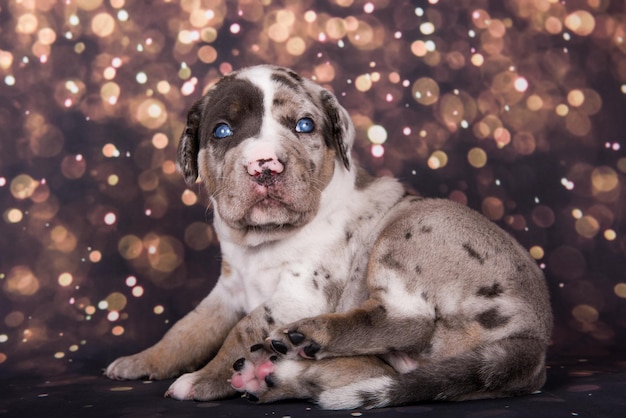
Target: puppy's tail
point(511, 367)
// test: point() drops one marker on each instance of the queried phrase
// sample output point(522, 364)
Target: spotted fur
point(337, 286)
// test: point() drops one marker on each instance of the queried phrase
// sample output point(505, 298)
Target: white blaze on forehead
point(265, 146)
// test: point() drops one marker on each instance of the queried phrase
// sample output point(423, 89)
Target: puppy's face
point(264, 141)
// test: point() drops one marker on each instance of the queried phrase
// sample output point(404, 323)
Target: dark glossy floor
point(575, 388)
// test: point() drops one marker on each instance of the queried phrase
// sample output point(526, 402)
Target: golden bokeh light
point(21, 281)
point(493, 208)
point(189, 198)
point(604, 179)
point(117, 330)
point(65, 279)
point(426, 91)
point(13, 215)
point(116, 301)
point(103, 24)
point(377, 134)
point(477, 157)
point(165, 253)
point(610, 235)
point(437, 160)
point(95, 256)
point(27, 24)
point(198, 236)
point(130, 247)
point(581, 22)
point(585, 313)
point(537, 252)
point(137, 291)
point(23, 186)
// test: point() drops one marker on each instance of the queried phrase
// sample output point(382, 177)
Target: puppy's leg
point(369, 329)
point(213, 380)
point(510, 367)
point(189, 344)
point(286, 304)
point(280, 378)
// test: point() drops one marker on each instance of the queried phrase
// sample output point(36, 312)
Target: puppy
point(336, 286)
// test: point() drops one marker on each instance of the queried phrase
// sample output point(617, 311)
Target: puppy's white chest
point(253, 281)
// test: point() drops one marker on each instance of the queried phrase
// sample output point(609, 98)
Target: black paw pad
point(238, 365)
point(296, 338)
point(279, 347)
point(251, 397)
point(269, 381)
point(311, 349)
point(256, 347)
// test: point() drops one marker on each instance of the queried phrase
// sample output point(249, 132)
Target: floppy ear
point(189, 144)
point(340, 132)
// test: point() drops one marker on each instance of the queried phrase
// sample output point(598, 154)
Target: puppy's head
point(265, 142)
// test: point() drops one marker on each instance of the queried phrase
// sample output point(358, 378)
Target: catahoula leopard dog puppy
point(336, 286)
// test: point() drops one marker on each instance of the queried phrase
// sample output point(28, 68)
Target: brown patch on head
point(235, 102)
point(239, 103)
point(208, 179)
point(328, 168)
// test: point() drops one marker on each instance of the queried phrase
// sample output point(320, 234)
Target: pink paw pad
point(251, 378)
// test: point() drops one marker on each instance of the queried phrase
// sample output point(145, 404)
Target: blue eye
point(222, 131)
point(305, 126)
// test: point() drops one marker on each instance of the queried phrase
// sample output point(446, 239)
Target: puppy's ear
point(189, 144)
point(340, 132)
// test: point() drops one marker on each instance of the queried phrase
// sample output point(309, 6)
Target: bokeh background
point(514, 107)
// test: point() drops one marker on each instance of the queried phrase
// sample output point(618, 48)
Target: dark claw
point(238, 365)
point(269, 381)
point(256, 347)
point(279, 347)
point(251, 397)
point(296, 338)
point(311, 349)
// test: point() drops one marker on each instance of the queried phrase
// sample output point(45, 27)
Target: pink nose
point(265, 172)
point(265, 166)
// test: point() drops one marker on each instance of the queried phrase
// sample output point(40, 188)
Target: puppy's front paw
point(296, 340)
point(263, 377)
point(206, 384)
point(130, 368)
point(253, 375)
